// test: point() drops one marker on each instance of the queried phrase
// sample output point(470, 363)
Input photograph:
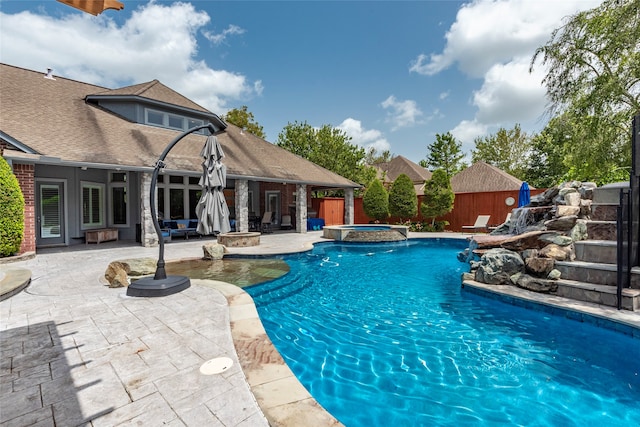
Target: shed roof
point(401, 165)
point(481, 177)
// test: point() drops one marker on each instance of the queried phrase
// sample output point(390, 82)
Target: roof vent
point(49, 74)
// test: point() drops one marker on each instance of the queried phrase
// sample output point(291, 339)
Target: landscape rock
point(536, 284)
point(556, 239)
point(557, 252)
point(554, 274)
point(567, 210)
point(213, 251)
point(563, 223)
point(539, 266)
point(579, 231)
point(572, 199)
point(497, 265)
point(118, 272)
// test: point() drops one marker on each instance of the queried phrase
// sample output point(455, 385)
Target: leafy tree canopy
point(438, 196)
point(508, 150)
point(593, 84)
point(446, 154)
point(11, 211)
point(244, 120)
point(403, 202)
point(328, 147)
point(374, 157)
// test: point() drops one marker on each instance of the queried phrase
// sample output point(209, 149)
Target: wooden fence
point(466, 208)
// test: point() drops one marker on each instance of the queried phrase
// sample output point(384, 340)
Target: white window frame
point(165, 120)
point(101, 189)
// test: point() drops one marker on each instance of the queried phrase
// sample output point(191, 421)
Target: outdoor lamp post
point(160, 284)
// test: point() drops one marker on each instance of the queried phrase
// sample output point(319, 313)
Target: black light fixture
point(160, 284)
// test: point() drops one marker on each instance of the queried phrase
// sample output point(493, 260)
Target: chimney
point(49, 74)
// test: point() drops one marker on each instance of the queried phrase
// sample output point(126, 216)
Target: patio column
point(148, 235)
point(301, 208)
point(242, 205)
point(349, 207)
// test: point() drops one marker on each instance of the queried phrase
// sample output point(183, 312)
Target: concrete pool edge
point(283, 400)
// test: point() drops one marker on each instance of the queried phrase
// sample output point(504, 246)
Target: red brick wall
point(26, 179)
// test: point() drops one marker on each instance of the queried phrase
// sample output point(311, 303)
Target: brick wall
point(26, 179)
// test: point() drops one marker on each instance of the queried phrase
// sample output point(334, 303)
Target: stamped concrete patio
point(76, 352)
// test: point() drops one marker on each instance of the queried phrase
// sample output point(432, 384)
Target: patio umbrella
point(524, 196)
point(212, 210)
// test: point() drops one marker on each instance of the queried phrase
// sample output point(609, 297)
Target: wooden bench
point(100, 235)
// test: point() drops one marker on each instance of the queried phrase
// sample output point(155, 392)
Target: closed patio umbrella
point(524, 196)
point(212, 209)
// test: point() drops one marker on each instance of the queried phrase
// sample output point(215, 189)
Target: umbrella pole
point(161, 284)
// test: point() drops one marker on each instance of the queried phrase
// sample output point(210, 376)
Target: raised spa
point(365, 233)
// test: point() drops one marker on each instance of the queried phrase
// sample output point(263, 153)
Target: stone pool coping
point(282, 398)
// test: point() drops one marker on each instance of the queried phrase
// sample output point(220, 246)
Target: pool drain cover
point(216, 366)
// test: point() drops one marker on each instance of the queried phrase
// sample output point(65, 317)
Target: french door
point(50, 221)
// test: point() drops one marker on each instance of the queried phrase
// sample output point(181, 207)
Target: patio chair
point(286, 222)
point(266, 222)
point(506, 220)
point(481, 223)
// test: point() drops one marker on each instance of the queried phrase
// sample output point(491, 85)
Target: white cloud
point(510, 94)
point(495, 40)
point(491, 31)
point(466, 131)
point(402, 113)
point(371, 138)
point(222, 37)
point(157, 41)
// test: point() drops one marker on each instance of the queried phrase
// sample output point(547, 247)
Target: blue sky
point(391, 74)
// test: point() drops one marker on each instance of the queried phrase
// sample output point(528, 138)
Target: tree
point(438, 196)
point(507, 150)
point(446, 154)
point(403, 202)
point(11, 211)
point(375, 201)
point(374, 158)
point(328, 147)
point(244, 120)
point(593, 83)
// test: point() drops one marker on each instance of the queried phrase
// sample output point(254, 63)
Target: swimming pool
point(384, 335)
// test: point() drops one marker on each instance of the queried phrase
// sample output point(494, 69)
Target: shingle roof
point(481, 177)
point(401, 165)
point(51, 118)
point(156, 91)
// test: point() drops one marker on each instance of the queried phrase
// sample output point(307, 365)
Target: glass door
point(272, 204)
point(50, 229)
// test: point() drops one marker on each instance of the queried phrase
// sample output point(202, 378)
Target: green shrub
point(403, 202)
point(11, 211)
point(438, 196)
point(375, 201)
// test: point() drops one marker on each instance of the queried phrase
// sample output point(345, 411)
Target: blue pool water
point(383, 335)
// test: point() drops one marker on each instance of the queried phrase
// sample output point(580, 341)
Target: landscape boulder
point(497, 265)
point(213, 251)
point(118, 272)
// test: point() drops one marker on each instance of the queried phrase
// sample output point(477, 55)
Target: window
point(170, 120)
point(118, 198)
point(92, 205)
point(154, 117)
point(175, 122)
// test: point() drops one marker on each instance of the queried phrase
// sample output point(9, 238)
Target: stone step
point(602, 230)
point(609, 194)
point(604, 212)
point(595, 273)
point(598, 294)
point(600, 251)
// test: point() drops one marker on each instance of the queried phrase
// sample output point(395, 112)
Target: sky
point(390, 74)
